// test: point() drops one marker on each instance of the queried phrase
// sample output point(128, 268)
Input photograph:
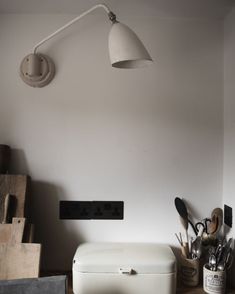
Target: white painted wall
point(229, 109)
point(97, 133)
point(229, 118)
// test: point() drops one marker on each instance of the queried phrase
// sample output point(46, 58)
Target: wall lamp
point(125, 51)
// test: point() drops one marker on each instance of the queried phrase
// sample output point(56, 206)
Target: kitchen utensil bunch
point(207, 243)
point(220, 257)
point(205, 231)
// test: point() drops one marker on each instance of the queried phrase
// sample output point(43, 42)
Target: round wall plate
point(47, 71)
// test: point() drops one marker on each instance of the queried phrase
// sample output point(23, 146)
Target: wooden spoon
point(184, 223)
point(216, 221)
point(182, 211)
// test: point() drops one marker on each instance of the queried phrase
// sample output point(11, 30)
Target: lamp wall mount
point(37, 70)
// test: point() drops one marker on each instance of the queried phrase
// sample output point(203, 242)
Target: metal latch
point(126, 271)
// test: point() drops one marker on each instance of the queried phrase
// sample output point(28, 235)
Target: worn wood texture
point(12, 233)
point(29, 233)
point(17, 231)
point(19, 261)
point(18, 186)
point(5, 208)
point(5, 232)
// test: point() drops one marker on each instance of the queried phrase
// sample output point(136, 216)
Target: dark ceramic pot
point(5, 156)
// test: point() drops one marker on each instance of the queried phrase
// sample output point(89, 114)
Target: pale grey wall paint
point(229, 118)
point(229, 108)
point(97, 133)
point(148, 8)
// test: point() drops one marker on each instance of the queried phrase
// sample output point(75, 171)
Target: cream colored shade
point(125, 48)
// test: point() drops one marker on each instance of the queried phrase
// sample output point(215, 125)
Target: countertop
point(181, 290)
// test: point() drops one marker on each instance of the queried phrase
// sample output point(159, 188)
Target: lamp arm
point(112, 17)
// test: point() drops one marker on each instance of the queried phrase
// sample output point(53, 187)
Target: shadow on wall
point(59, 241)
point(18, 162)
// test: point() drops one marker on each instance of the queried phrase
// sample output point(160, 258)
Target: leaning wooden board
point(19, 261)
point(17, 185)
point(12, 233)
point(5, 232)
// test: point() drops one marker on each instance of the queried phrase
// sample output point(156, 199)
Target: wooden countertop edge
point(180, 290)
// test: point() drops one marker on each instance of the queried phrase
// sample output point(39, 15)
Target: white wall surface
point(229, 117)
point(229, 109)
point(97, 133)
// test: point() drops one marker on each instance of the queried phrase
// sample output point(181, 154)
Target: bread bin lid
point(138, 258)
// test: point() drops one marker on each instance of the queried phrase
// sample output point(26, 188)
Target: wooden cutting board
point(18, 186)
point(12, 233)
point(17, 260)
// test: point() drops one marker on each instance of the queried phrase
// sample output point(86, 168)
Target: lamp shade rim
point(134, 63)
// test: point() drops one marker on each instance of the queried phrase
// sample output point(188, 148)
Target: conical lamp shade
point(125, 48)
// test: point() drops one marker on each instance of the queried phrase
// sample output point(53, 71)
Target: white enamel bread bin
point(124, 268)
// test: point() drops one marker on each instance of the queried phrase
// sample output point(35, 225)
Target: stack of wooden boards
point(17, 260)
